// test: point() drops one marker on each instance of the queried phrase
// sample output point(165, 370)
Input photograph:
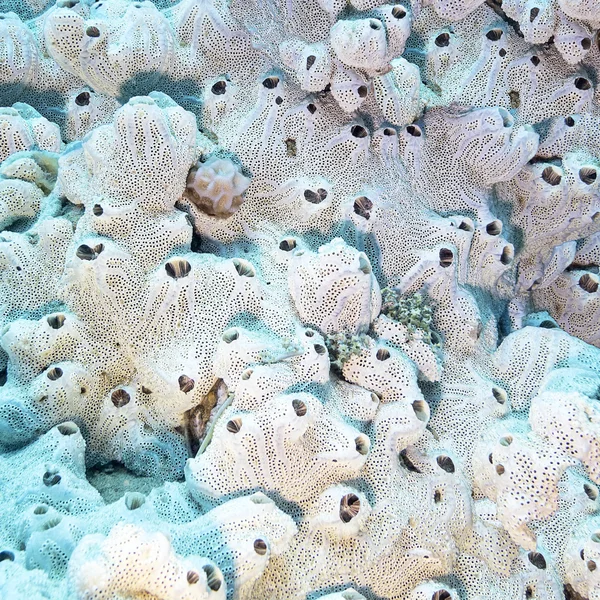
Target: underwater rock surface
point(300, 299)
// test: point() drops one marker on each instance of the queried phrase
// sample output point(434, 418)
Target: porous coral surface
point(299, 299)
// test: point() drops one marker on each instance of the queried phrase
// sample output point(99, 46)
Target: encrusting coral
point(299, 299)
point(216, 186)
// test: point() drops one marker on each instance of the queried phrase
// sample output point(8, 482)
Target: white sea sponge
point(341, 511)
point(311, 62)
point(355, 402)
point(453, 10)
point(399, 424)
point(537, 19)
point(209, 28)
point(50, 547)
point(568, 421)
point(28, 265)
point(572, 299)
point(32, 345)
point(569, 23)
point(449, 152)
point(85, 110)
point(20, 55)
point(261, 383)
point(245, 535)
point(240, 352)
point(573, 39)
point(586, 253)
point(579, 9)
point(555, 204)
point(548, 349)
point(521, 476)
point(497, 159)
point(457, 317)
point(112, 45)
point(292, 427)
point(216, 186)
point(432, 590)
point(360, 44)
point(348, 87)
point(333, 7)
point(36, 167)
point(486, 143)
point(131, 561)
point(397, 19)
point(491, 259)
point(349, 594)
point(53, 396)
point(426, 356)
point(23, 128)
point(581, 559)
point(18, 200)
point(126, 431)
point(385, 371)
point(152, 138)
point(51, 492)
point(488, 540)
point(334, 289)
point(240, 349)
point(571, 380)
point(398, 92)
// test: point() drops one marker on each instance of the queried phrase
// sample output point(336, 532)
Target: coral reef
point(299, 299)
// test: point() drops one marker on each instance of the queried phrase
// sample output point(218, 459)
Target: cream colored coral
point(216, 186)
point(132, 563)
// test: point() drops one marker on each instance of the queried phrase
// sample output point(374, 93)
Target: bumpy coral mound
point(299, 299)
point(216, 186)
point(131, 563)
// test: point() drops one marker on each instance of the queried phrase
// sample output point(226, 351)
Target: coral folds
point(299, 299)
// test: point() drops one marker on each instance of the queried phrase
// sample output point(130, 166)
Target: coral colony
point(299, 300)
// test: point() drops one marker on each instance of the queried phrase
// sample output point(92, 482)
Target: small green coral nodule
point(342, 345)
point(414, 311)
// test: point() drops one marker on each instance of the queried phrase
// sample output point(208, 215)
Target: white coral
point(424, 146)
point(23, 128)
point(131, 561)
point(111, 44)
point(571, 422)
point(20, 55)
point(360, 44)
point(334, 289)
point(216, 186)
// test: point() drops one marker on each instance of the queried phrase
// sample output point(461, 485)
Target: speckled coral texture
point(299, 299)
